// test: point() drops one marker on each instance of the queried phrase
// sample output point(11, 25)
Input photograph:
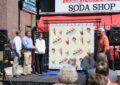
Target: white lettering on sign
point(28, 7)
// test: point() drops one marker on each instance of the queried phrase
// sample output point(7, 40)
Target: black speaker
point(114, 36)
point(3, 38)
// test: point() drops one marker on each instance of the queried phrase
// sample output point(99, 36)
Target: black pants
point(39, 59)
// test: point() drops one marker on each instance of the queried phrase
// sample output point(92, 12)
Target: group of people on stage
point(25, 45)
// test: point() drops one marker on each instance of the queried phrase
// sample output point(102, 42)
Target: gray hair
point(68, 75)
point(101, 57)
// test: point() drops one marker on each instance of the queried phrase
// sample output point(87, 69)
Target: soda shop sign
point(87, 6)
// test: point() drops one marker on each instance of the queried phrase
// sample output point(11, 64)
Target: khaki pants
point(27, 69)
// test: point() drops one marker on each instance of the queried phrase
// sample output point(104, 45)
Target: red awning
point(108, 20)
point(116, 20)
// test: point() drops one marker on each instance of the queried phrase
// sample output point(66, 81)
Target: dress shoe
point(16, 76)
point(24, 74)
point(36, 73)
point(29, 73)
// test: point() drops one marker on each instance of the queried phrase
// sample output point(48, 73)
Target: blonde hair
point(68, 75)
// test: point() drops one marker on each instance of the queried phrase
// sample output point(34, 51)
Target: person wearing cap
point(16, 46)
point(103, 43)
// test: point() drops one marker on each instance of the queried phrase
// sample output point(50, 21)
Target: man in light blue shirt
point(27, 47)
point(27, 43)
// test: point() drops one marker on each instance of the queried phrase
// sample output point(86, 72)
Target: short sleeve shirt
point(102, 43)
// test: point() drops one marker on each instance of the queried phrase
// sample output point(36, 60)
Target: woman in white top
point(39, 53)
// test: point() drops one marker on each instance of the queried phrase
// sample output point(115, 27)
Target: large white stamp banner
point(69, 43)
point(87, 6)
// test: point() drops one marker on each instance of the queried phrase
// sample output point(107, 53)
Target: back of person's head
point(102, 68)
point(68, 75)
point(18, 32)
point(97, 79)
point(101, 57)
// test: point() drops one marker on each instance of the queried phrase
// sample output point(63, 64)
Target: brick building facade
point(12, 19)
point(9, 18)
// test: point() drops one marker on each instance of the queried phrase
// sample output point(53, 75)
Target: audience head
point(68, 75)
point(101, 57)
point(102, 68)
point(97, 79)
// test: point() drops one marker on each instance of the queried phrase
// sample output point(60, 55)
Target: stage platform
point(36, 79)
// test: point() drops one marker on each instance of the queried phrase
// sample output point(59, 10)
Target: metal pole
point(19, 6)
